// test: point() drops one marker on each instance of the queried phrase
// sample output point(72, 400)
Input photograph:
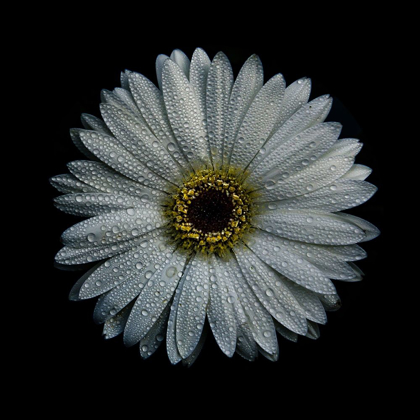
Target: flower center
point(210, 212)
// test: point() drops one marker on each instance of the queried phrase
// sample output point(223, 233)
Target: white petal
point(246, 345)
point(67, 183)
point(140, 142)
point(248, 83)
point(295, 96)
point(109, 150)
point(346, 252)
point(171, 346)
point(358, 172)
point(272, 357)
point(102, 178)
point(191, 313)
point(345, 147)
point(250, 310)
point(330, 260)
point(370, 230)
point(219, 85)
point(147, 261)
point(193, 356)
point(77, 141)
point(199, 70)
point(220, 310)
point(310, 226)
point(183, 110)
point(281, 257)
point(359, 273)
point(182, 60)
point(294, 153)
point(115, 271)
point(90, 122)
point(124, 102)
point(320, 173)
point(313, 331)
point(150, 101)
point(113, 227)
point(75, 290)
point(307, 116)
point(309, 301)
point(93, 204)
point(154, 297)
point(115, 325)
point(258, 122)
point(160, 61)
point(330, 267)
point(330, 302)
point(286, 333)
point(74, 256)
point(342, 194)
point(155, 336)
point(271, 291)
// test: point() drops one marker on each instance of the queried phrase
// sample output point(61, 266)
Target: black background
point(67, 350)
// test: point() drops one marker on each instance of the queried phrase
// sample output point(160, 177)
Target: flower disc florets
point(210, 212)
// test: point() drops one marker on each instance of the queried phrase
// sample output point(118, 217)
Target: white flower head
point(213, 203)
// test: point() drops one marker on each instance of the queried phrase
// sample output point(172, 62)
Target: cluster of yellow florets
point(210, 212)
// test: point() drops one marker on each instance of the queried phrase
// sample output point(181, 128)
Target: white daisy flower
point(213, 203)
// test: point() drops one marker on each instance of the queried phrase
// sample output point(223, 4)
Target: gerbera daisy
point(213, 203)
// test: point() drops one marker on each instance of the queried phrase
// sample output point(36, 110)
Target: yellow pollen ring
point(235, 210)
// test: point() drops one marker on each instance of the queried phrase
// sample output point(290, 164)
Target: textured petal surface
point(155, 336)
point(247, 84)
point(154, 297)
point(140, 142)
point(340, 195)
point(294, 153)
point(93, 204)
point(199, 71)
point(149, 100)
point(191, 313)
point(319, 174)
point(258, 122)
point(220, 312)
point(310, 226)
point(184, 114)
point(110, 151)
point(147, 259)
point(219, 86)
point(278, 255)
point(308, 115)
point(113, 227)
point(249, 310)
point(67, 183)
point(102, 178)
point(272, 291)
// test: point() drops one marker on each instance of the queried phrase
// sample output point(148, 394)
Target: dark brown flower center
point(211, 211)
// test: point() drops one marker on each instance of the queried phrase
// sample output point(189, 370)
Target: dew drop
point(270, 184)
point(91, 237)
point(171, 271)
point(269, 292)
